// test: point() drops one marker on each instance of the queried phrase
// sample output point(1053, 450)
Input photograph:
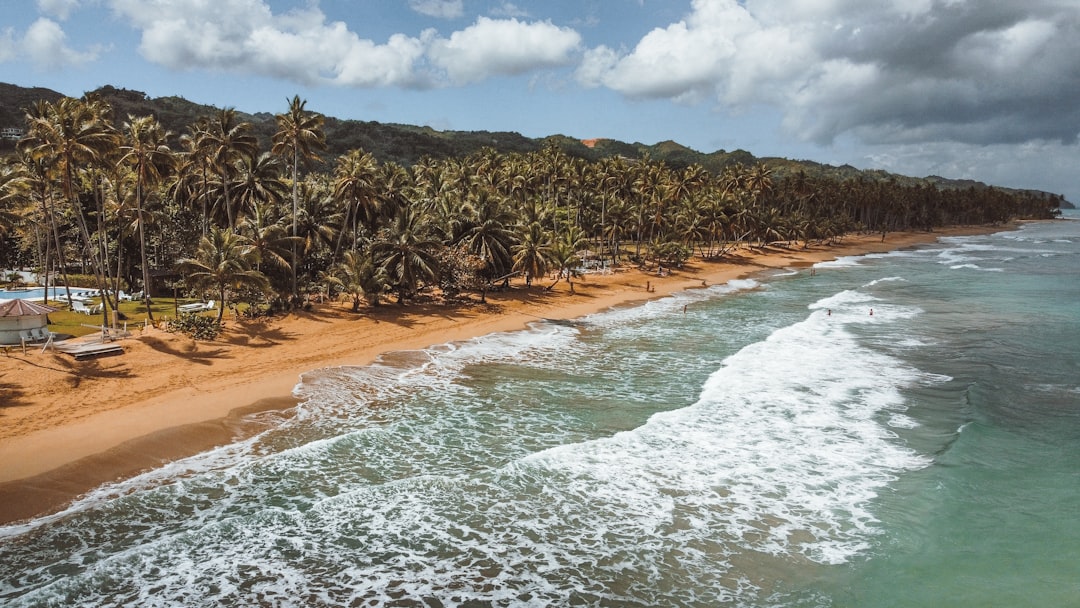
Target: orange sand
point(67, 426)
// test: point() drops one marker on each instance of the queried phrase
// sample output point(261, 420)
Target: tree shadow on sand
point(12, 395)
point(92, 369)
point(258, 338)
point(75, 373)
point(202, 357)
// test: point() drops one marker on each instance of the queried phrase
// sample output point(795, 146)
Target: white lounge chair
point(197, 307)
point(84, 308)
point(42, 334)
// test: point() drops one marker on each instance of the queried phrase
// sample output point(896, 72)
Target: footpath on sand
point(68, 426)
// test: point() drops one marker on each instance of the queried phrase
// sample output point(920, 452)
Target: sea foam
point(446, 472)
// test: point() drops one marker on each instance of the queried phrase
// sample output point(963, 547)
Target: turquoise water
point(776, 445)
point(33, 293)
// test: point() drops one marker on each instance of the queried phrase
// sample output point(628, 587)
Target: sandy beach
point(67, 426)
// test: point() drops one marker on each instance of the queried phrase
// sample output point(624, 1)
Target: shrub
point(88, 281)
point(196, 326)
point(671, 253)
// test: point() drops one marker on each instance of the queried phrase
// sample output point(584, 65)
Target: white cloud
point(509, 9)
point(245, 36)
point(61, 9)
point(8, 49)
point(880, 69)
point(493, 47)
point(685, 60)
point(367, 64)
point(595, 66)
point(303, 46)
point(45, 43)
point(440, 9)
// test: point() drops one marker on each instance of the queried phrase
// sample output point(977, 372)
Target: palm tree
point(395, 185)
point(406, 255)
point(487, 233)
point(564, 255)
point(258, 181)
point(315, 225)
point(359, 276)
point(14, 195)
point(269, 235)
point(145, 151)
point(226, 141)
point(193, 167)
point(356, 186)
point(759, 182)
point(224, 260)
point(66, 137)
point(39, 180)
point(532, 254)
point(298, 134)
point(119, 205)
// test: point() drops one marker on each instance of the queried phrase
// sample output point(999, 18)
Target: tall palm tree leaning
point(224, 260)
point(144, 150)
point(299, 134)
point(66, 136)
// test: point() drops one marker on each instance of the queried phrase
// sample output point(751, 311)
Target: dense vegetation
point(225, 212)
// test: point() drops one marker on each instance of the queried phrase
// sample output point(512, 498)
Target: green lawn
point(74, 323)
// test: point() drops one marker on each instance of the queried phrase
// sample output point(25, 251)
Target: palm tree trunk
point(295, 205)
point(59, 250)
point(202, 195)
point(44, 257)
point(95, 263)
point(221, 305)
point(142, 251)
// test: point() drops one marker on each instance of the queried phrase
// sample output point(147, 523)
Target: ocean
point(776, 444)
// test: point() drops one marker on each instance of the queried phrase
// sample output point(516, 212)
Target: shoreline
point(168, 397)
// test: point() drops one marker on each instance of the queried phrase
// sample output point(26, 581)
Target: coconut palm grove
point(120, 204)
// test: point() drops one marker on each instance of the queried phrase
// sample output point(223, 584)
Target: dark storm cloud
point(964, 71)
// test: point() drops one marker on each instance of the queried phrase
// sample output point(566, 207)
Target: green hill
point(406, 144)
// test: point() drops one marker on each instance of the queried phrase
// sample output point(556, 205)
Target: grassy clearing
point(133, 313)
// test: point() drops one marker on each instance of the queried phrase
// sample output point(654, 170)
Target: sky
point(967, 89)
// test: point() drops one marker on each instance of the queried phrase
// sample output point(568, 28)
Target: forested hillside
point(407, 144)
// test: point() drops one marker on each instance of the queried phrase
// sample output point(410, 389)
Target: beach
point(68, 426)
